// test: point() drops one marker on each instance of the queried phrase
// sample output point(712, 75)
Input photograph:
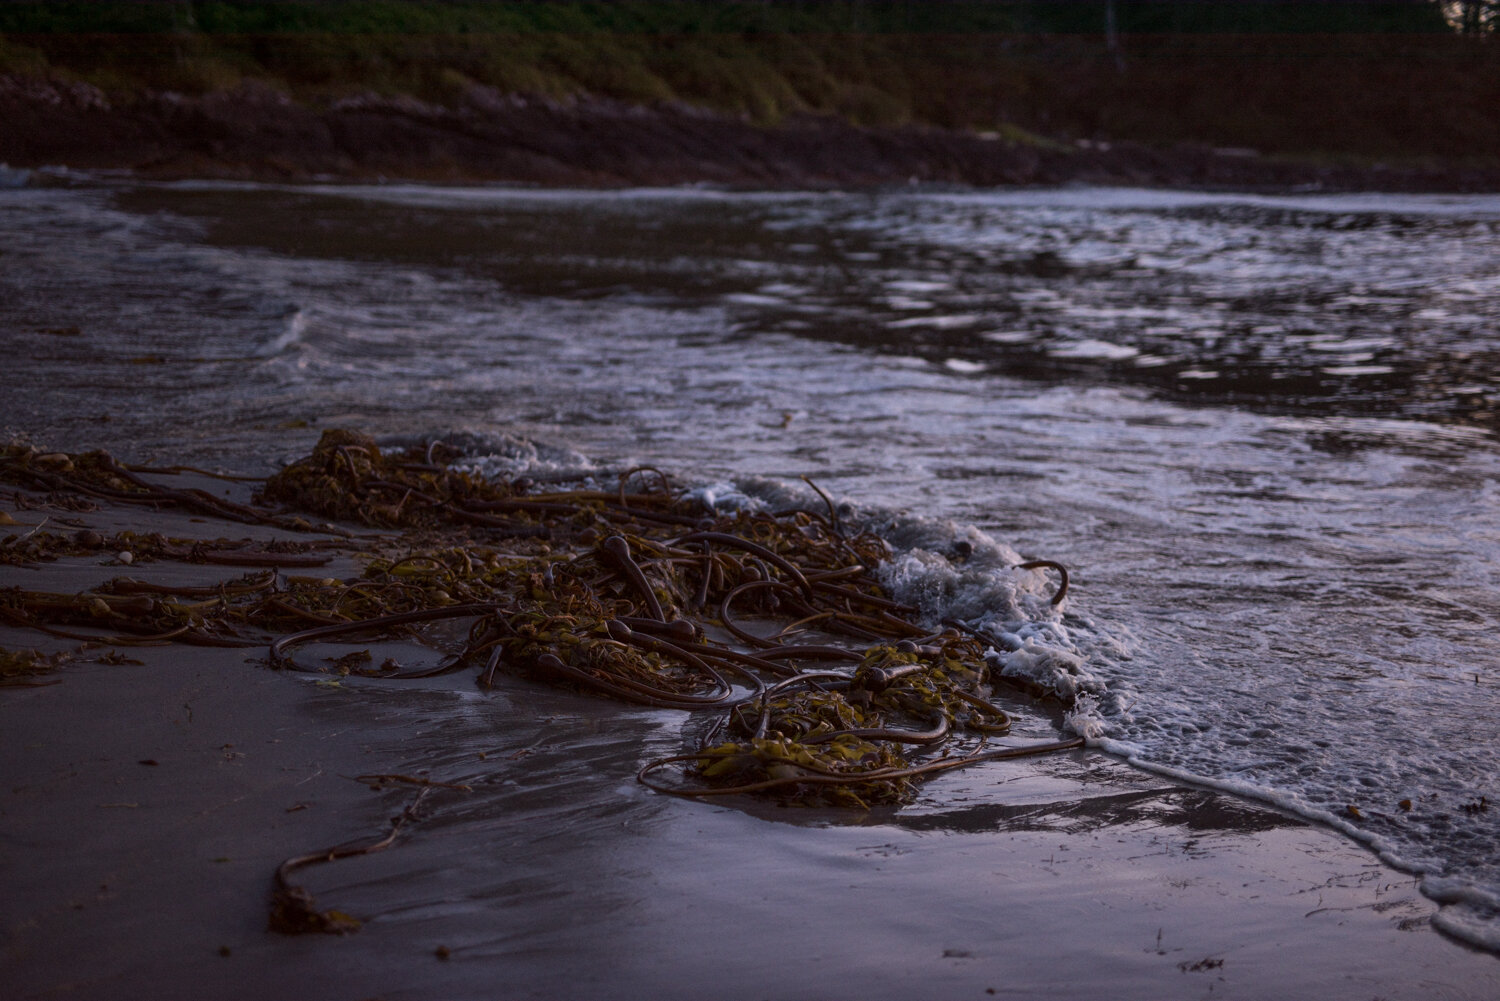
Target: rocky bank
point(257, 132)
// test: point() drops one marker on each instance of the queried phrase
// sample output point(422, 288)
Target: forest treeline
point(1335, 78)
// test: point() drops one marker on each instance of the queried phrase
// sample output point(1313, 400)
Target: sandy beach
point(148, 804)
point(1112, 389)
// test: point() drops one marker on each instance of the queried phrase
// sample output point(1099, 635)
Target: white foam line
point(1465, 911)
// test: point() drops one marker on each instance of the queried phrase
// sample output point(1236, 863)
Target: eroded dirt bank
point(255, 132)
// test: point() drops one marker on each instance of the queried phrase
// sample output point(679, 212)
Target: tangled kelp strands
point(815, 684)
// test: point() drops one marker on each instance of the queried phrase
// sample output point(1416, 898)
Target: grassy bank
point(1360, 80)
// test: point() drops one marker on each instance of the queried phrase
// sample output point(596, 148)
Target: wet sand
point(147, 805)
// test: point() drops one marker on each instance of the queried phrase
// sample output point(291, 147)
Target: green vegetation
point(1370, 79)
point(757, 59)
point(228, 17)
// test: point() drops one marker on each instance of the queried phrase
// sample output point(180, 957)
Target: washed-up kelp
point(22, 668)
point(822, 689)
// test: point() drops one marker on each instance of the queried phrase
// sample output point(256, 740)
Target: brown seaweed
point(826, 690)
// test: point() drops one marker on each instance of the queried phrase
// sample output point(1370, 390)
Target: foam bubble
point(1468, 913)
point(1085, 721)
point(502, 455)
point(724, 496)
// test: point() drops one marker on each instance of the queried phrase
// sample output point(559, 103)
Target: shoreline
point(153, 819)
point(1074, 875)
point(256, 133)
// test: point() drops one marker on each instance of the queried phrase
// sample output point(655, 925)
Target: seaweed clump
point(819, 687)
point(830, 692)
point(21, 668)
point(347, 477)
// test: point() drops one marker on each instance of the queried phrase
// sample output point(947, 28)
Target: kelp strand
point(748, 616)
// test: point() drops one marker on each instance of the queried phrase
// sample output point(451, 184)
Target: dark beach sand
point(558, 875)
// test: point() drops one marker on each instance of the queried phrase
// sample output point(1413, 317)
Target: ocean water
point(1260, 430)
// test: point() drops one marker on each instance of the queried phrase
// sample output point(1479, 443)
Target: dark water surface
point(1260, 429)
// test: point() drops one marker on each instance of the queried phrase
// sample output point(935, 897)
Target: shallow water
point(1260, 430)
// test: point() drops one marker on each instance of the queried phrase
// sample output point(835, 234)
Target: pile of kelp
point(824, 688)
